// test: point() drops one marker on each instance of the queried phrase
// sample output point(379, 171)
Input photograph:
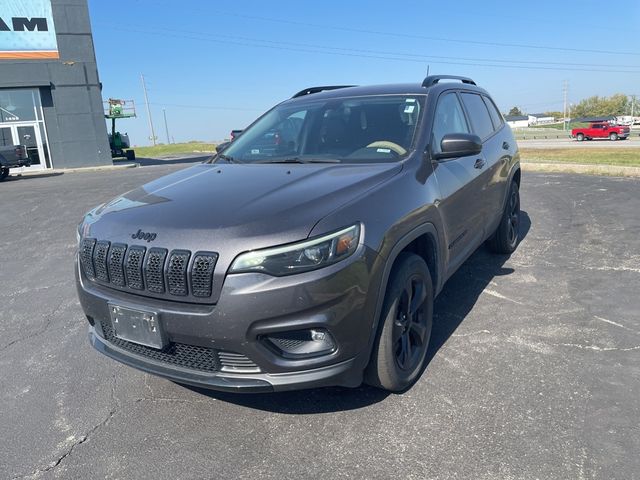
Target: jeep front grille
point(154, 270)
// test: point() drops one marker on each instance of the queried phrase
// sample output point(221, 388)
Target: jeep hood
point(234, 207)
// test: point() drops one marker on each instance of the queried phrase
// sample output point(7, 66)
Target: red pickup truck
point(600, 130)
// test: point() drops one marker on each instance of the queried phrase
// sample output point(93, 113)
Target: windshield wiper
point(300, 160)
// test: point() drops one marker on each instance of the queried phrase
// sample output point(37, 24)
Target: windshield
point(349, 130)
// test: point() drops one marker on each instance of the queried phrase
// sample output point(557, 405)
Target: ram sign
point(26, 30)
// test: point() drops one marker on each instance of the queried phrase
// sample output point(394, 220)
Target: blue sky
point(215, 66)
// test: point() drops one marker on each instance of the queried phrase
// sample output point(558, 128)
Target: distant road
point(633, 141)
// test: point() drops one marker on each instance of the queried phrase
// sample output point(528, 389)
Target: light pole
point(146, 101)
point(166, 128)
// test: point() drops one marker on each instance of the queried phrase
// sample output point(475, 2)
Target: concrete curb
point(610, 170)
point(53, 171)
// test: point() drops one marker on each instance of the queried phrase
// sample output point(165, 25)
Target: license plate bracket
point(137, 326)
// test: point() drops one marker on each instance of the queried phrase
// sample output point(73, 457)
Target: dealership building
point(50, 92)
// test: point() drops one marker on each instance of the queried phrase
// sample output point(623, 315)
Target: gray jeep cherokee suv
point(309, 251)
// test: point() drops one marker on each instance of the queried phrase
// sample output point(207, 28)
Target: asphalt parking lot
point(534, 366)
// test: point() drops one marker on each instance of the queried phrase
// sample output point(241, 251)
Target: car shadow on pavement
point(462, 290)
point(454, 303)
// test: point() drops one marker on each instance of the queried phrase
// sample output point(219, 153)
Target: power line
point(380, 52)
point(360, 55)
point(408, 35)
point(207, 107)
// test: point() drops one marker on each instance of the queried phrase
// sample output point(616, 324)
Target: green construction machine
point(119, 142)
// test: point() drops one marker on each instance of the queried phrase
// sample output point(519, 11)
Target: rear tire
point(4, 173)
point(613, 136)
point(505, 238)
point(580, 137)
point(403, 335)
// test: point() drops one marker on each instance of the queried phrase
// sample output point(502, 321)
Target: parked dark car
point(12, 156)
point(310, 261)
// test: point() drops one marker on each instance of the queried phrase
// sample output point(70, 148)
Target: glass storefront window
point(22, 123)
point(20, 105)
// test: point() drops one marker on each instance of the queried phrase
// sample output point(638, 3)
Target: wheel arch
point(424, 241)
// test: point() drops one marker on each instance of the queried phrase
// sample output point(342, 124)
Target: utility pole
point(565, 91)
point(633, 105)
point(146, 101)
point(166, 128)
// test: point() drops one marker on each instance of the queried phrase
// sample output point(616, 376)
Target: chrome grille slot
point(177, 272)
point(100, 253)
point(133, 267)
point(115, 264)
point(202, 273)
point(154, 269)
point(86, 256)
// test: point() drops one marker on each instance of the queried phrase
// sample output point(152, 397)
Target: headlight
point(300, 257)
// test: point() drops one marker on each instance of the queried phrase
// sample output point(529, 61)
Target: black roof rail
point(310, 90)
point(433, 79)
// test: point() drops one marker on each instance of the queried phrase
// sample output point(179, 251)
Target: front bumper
point(252, 306)
point(344, 373)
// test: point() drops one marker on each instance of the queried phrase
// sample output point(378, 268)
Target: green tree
point(555, 115)
point(515, 111)
point(601, 106)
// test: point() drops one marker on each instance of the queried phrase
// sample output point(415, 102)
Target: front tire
point(4, 173)
point(402, 340)
point(613, 136)
point(505, 238)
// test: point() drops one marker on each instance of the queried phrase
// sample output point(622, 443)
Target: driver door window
point(449, 118)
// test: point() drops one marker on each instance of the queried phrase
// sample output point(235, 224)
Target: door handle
point(505, 146)
point(479, 163)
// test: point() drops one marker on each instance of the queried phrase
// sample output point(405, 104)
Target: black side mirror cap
point(454, 145)
point(221, 146)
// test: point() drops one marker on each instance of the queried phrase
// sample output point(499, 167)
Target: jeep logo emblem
point(140, 235)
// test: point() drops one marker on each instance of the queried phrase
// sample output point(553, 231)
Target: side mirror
point(221, 146)
point(454, 145)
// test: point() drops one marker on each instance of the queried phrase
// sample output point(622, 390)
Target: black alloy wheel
point(402, 340)
point(409, 326)
point(505, 238)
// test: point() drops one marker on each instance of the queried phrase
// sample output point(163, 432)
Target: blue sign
point(27, 30)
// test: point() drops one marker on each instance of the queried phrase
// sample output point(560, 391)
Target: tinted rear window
point(480, 118)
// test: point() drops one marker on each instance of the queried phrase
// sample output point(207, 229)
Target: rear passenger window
point(496, 118)
point(477, 110)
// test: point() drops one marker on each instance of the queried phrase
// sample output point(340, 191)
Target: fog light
point(317, 335)
point(302, 343)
